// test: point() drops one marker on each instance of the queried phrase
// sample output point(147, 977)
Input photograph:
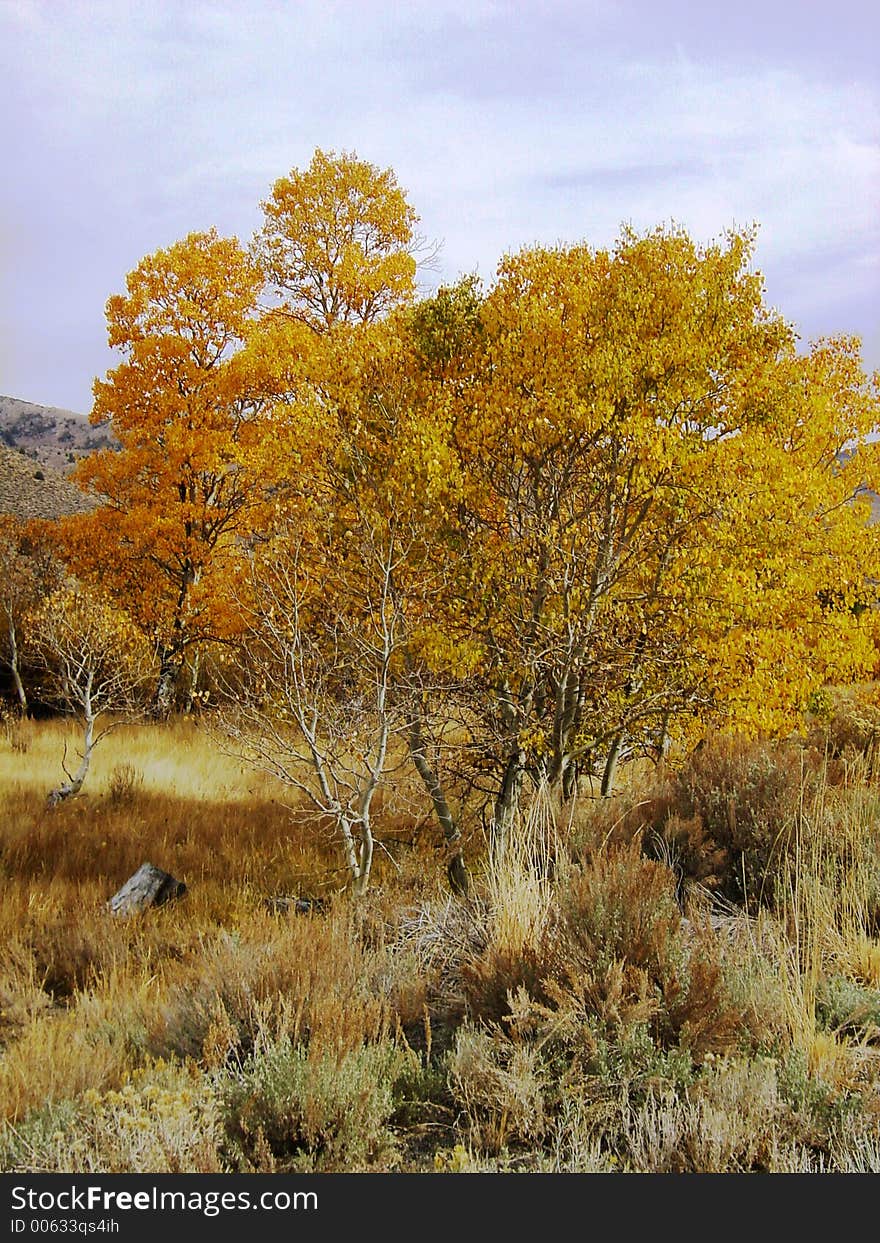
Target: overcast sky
point(125, 126)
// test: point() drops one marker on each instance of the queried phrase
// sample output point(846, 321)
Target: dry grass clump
point(57, 1057)
point(727, 821)
point(306, 979)
point(124, 786)
point(16, 731)
point(499, 1084)
point(727, 1122)
point(595, 989)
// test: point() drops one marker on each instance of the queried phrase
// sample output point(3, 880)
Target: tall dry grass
point(519, 875)
point(86, 997)
point(175, 758)
point(827, 910)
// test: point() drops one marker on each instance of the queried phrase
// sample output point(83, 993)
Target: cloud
point(128, 125)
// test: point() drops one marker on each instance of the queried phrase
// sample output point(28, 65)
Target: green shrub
point(823, 1110)
point(634, 1062)
point(844, 1006)
point(289, 1108)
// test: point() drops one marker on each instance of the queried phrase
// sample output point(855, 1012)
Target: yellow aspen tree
point(183, 405)
point(597, 516)
point(332, 590)
point(97, 666)
point(338, 243)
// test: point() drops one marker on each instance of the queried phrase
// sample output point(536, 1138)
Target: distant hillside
point(49, 436)
point(29, 489)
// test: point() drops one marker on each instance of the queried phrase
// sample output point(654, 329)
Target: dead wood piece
point(149, 886)
point(284, 904)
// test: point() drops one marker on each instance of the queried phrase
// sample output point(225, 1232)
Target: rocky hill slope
point(48, 436)
point(29, 489)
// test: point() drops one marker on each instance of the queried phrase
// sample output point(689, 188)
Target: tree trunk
point(611, 764)
point(350, 849)
point(456, 870)
point(73, 783)
point(169, 669)
point(365, 829)
point(457, 874)
point(365, 858)
point(508, 800)
point(193, 687)
point(13, 664)
point(663, 744)
point(569, 780)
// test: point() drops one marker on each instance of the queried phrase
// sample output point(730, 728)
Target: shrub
point(305, 978)
point(163, 1121)
point(823, 1107)
point(617, 952)
point(734, 807)
point(125, 784)
point(288, 1108)
point(844, 1006)
point(726, 1123)
point(574, 1142)
point(619, 906)
point(847, 724)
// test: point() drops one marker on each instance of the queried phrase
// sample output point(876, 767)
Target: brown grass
point(596, 1004)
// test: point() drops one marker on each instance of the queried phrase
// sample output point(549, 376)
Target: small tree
point(96, 663)
point(318, 709)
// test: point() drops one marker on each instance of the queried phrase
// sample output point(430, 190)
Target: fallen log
point(149, 886)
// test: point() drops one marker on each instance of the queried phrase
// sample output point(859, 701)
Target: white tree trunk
point(74, 781)
point(13, 664)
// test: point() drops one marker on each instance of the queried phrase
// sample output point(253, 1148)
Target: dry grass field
point(685, 977)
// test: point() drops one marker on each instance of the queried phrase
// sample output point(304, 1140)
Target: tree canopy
point(591, 511)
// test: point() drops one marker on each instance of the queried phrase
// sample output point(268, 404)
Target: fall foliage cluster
point(511, 535)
